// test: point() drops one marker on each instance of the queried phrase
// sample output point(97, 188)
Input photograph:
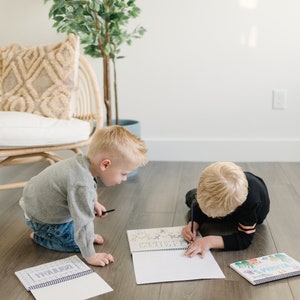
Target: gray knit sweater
point(63, 192)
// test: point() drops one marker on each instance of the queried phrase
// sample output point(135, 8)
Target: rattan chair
point(87, 107)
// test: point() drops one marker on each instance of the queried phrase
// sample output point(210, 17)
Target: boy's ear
point(104, 164)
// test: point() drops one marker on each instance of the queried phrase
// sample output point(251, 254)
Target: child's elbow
point(246, 241)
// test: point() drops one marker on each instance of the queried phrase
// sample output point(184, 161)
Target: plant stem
point(116, 92)
point(106, 87)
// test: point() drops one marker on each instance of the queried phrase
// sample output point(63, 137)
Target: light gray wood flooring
point(155, 198)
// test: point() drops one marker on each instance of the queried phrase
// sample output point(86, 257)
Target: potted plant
point(101, 26)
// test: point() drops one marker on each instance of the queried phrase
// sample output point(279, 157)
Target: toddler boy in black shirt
point(226, 194)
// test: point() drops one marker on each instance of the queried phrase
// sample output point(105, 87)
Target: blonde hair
point(117, 143)
point(222, 187)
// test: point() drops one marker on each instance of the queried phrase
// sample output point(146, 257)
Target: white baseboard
point(243, 150)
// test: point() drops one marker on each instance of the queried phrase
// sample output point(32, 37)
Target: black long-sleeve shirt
point(252, 212)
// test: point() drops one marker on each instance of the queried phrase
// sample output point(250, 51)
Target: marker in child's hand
point(105, 212)
point(192, 220)
point(110, 210)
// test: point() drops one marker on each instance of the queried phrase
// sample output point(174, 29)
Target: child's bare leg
point(32, 235)
point(98, 239)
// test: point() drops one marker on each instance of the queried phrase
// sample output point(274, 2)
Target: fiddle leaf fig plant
point(102, 28)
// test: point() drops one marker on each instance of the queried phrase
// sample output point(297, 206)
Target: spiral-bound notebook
point(158, 256)
point(267, 268)
point(68, 278)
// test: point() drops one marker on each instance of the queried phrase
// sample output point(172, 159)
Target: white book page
point(173, 265)
point(80, 288)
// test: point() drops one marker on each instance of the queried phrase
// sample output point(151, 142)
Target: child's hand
point(202, 245)
point(100, 259)
point(198, 247)
point(187, 233)
point(99, 208)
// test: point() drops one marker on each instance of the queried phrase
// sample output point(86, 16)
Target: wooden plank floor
point(155, 198)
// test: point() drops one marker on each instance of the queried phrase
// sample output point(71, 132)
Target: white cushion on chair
point(24, 129)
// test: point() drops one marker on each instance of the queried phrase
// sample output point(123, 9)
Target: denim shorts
point(59, 237)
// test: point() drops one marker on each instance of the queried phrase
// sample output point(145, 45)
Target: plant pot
point(132, 125)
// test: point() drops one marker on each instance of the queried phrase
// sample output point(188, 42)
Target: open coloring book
point(158, 256)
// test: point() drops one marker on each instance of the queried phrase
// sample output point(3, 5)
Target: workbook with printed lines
point(158, 256)
point(67, 278)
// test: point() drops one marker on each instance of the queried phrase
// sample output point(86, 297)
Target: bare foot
point(98, 239)
point(32, 235)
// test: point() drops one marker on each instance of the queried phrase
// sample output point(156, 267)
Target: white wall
point(201, 79)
